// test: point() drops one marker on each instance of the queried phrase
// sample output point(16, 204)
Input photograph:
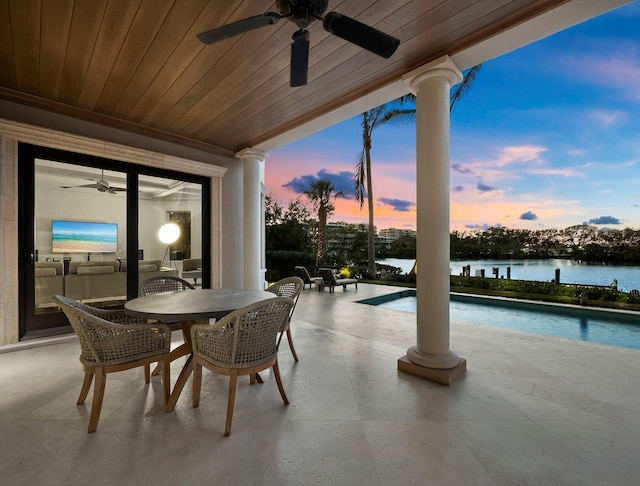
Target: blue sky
point(548, 137)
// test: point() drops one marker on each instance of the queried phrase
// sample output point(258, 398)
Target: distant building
point(393, 234)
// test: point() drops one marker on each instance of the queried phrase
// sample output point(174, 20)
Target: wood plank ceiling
point(137, 64)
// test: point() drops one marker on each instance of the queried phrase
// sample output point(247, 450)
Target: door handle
point(28, 258)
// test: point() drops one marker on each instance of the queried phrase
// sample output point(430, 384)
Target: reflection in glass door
point(170, 228)
point(80, 235)
point(81, 218)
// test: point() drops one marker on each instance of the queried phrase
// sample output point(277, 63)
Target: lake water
point(571, 271)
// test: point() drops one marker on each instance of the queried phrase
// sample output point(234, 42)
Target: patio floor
point(531, 409)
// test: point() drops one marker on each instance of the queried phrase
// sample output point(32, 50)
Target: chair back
point(288, 287)
point(303, 273)
point(163, 285)
point(75, 311)
point(244, 338)
point(105, 343)
point(328, 277)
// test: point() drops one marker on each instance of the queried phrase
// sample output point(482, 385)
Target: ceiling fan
point(101, 185)
point(302, 13)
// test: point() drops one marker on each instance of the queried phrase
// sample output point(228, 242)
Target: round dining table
point(188, 307)
point(193, 305)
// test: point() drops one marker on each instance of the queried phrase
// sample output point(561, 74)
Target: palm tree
point(371, 119)
point(320, 194)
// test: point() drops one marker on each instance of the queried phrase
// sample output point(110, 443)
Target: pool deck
point(531, 409)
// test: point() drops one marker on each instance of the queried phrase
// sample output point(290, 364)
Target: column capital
point(251, 153)
point(442, 67)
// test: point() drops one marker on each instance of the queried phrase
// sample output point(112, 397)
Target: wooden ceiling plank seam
point(85, 25)
point(25, 27)
point(144, 28)
point(54, 40)
point(7, 57)
point(115, 26)
point(180, 59)
point(202, 73)
point(164, 44)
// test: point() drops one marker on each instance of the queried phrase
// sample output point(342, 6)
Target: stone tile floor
point(531, 409)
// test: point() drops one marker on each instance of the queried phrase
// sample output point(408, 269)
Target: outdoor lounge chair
point(329, 279)
point(307, 279)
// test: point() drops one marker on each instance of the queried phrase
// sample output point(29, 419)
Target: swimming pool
point(615, 328)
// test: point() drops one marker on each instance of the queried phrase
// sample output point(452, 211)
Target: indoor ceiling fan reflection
point(101, 185)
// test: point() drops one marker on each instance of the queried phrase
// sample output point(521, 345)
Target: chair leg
point(86, 385)
point(233, 384)
point(255, 377)
point(290, 339)
point(276, 373)
point(98, 395)
point(197, 383)
point(166, 378)
point(147, 373)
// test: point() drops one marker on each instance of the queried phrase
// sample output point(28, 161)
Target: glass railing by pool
point(614, 328)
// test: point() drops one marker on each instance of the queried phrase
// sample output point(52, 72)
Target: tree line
point(295, 236)
point(578, 242)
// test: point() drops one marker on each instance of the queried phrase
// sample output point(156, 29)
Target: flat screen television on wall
point(83, 237)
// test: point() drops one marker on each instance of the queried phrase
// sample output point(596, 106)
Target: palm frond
point(465, 86)
point(397, 115)
point(360, 180)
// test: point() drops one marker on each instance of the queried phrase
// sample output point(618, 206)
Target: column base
point(444, 377)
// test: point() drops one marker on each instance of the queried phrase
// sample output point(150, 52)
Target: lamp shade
point(169, 233)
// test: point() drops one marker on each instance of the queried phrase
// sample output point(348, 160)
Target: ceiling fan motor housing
point(302, 12)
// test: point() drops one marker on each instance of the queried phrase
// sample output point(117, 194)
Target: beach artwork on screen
point(84, 237)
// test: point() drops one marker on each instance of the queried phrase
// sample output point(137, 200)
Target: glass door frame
point(32, 325)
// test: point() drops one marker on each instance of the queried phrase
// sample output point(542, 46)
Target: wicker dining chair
point(108, 346)
point(241, 343)
point(288, 287)
point(163, 285)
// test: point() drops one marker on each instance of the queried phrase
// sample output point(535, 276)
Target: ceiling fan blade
point(299, 58)
point(92, 186)
point(361, 34)
point(239, 27)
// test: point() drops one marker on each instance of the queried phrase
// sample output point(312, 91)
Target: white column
point(431, 356)
point(252, 214)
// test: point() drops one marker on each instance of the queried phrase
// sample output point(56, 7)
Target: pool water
point(611, 328)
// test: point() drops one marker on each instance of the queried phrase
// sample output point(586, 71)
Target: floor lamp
point(168, 234)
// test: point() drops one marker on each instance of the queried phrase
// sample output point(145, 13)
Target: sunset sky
point(548, 137)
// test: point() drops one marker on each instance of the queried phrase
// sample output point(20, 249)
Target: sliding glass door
point(84, 219)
